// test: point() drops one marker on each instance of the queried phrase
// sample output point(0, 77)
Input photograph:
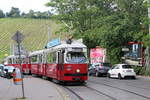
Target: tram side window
point(54, 57)
point(40, 58)
point(51, 57)
point(17, 61)
point(34, 59)
point(9, 61)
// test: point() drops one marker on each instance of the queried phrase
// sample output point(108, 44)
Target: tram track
point(91, 89)
point(112, 98)
point(125, 90)
point(70, 90)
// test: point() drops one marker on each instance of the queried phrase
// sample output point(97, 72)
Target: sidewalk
point(143, 77)
point(35, 89)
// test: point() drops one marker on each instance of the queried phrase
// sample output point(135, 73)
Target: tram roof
point(36, 52)
point(14, 56)
point(74, 44)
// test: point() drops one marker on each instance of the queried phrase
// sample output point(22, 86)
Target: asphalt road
point(102, 88)
point(97, 88)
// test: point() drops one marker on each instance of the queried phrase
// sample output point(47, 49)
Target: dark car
point(91, 70)
point(99, 69)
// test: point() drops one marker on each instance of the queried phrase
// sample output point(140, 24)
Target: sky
point(24, 5)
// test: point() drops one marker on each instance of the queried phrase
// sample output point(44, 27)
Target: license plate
point(129, 71)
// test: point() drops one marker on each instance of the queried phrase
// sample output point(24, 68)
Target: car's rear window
point(126, 66)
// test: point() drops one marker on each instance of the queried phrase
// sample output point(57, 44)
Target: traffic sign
point(18, 37)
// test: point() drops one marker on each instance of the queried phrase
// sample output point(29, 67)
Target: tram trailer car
point(13, 60)
point(63, 62)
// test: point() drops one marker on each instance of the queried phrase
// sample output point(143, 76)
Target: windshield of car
point(9, 68)
point(76, 57)
point(126, 66)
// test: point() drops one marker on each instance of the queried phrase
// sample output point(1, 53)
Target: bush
point(141, 71)
point(138, 70)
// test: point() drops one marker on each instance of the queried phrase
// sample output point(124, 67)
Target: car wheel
point(97, 74)
point(119, 76)
point(90, 74)
point(108, 75)
point(134, 77)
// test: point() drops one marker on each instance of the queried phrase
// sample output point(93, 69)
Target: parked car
point(121, 71)
point(99, 69)
point(91, 70)
point(7, 71)
point(1, 70)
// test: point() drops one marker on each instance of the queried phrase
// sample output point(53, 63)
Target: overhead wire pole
point(149, 17)
point(147, 50)
point(49, 34)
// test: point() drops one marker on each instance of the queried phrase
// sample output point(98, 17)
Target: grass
point(34, 30)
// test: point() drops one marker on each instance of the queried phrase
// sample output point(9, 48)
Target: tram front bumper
point(75, 77)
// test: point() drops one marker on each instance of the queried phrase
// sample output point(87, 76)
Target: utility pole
point(49, 33)
point(149, 17)
point(147, 50)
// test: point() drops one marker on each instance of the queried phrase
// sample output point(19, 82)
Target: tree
point(14, 12)
point(2, 15)
point(31, 14)
point(23, 14)
point(146, 69)
point(108, 23)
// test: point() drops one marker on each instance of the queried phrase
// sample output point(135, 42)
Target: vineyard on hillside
point(34, 30)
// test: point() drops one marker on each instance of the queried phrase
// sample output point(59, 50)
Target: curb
point(144, 77)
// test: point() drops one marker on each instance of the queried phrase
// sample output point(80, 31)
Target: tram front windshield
point(76, 57)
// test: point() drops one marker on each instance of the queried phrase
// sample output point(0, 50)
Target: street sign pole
point(18, 37)
point(23, 96)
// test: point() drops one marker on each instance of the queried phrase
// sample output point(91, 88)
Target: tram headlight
point(78, 70)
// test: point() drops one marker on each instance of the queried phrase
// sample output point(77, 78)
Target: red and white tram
point(61, 61)
point(13, 60)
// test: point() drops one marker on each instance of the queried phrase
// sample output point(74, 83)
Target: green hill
point(34, 30)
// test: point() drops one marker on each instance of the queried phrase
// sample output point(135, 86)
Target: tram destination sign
point(53, 43)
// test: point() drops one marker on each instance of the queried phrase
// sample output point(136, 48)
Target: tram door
point(60, 66)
